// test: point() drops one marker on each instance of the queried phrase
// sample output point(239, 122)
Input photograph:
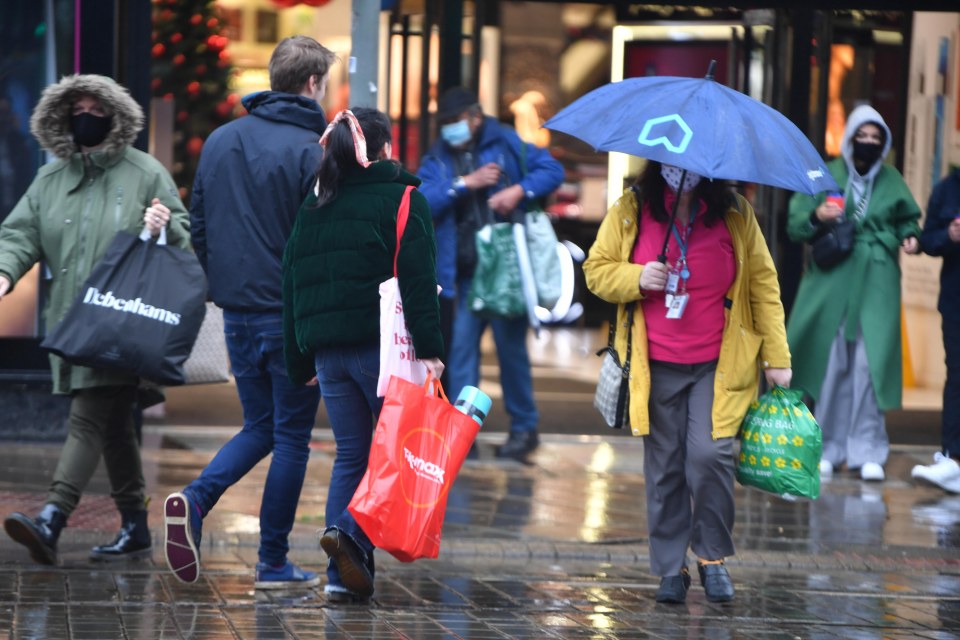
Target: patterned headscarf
point(359, 142)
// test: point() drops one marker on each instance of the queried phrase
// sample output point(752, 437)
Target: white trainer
point(871, 472)
point(826, 468)
point(943, 473)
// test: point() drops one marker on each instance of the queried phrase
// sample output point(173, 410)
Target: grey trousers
point(689, 475)
point(854, 429)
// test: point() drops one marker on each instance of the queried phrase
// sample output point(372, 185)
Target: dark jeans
point(101, 423)
point(277, 418)
point(950, 429)
point(348, 381)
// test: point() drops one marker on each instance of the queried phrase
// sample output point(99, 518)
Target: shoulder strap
point(403, 212)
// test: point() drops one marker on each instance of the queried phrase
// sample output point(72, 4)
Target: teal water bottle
point(474, 403)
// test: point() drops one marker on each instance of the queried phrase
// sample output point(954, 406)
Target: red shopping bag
point(419, 445)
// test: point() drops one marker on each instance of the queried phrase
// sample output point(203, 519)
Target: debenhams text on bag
point(135, 306)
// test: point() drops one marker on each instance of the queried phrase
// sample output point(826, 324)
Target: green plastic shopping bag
point(496, 291)
point(780, 446)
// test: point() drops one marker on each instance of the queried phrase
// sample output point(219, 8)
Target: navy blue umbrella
point(699, 125)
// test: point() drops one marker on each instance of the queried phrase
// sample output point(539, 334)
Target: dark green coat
point(864, 288)
point(337, 256)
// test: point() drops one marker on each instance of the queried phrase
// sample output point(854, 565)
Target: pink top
point(695, 337)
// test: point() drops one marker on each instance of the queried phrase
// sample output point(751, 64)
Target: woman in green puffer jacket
point(340, 250)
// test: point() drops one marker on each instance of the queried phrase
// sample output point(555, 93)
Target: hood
point(50, 122)
point(288, 108)
point(857, 118)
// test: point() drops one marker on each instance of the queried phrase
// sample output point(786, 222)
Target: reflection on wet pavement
point(555, 549)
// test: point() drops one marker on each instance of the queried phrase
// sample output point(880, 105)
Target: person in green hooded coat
point(844, 330)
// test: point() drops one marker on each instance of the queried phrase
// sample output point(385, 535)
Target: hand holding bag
point(419, 445)
point(139, 312)
point(833, 242)
point(780, 446)
point(612, 398)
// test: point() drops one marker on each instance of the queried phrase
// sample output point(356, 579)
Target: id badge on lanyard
point(677, 298)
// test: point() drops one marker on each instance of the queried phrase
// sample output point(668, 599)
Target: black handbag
point(833, 242)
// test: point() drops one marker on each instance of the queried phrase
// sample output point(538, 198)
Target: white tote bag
point(397, 357)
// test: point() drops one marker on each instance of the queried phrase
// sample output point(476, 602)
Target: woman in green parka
point(98, 185)
point(844, 330)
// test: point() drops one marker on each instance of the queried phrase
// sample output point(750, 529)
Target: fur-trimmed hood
point(50, 122)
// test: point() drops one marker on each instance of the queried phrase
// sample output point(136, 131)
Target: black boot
point(519, 445)
point(40, 534)
point(132, 541)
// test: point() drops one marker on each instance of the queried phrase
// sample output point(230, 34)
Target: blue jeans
point(277, 418)
point(510, 337)
point(348, 382)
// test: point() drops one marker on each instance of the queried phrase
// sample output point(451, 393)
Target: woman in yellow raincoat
point(704, 324)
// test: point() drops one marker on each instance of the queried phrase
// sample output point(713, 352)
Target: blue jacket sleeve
point(436, 181)
point(544, 172)
point(198, 224)
point(935, 240)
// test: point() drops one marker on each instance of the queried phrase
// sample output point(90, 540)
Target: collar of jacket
point(93, 164)
point(382, 171)
point(288, 108)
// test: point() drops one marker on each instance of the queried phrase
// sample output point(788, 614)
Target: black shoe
point(39, 534)
point(519, 445)
point(345, 598)
point(673, 589)
point(350, 561)
point(132, 541)
point(716, 582)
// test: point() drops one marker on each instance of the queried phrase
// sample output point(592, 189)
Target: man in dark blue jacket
point(473, 175)
point(941, 237)
point(253, 175)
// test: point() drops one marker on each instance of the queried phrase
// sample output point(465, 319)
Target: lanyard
point(682, 243)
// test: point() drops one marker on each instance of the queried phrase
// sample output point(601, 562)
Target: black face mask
point(867, 152)
point(89, 130)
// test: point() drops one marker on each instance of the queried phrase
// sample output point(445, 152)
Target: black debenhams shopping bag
point(139, 312)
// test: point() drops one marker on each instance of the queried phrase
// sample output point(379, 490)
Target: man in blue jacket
point(941, 237)
point(474, 175)
point(253, 175)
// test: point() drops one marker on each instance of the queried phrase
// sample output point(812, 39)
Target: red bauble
point(233, 99)
point(212, 22)
point(177, 37)
point(155, 83)
point(158, 50)
point(182, 116)
point(179, 59)
point(193, 88)
point(224, 109)
point(196, 19)
point(201, 69)
point(194, 145)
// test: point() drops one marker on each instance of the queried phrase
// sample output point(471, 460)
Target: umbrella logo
point(645, 139)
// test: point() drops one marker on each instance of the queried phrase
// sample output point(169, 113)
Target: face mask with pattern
point(673, 174)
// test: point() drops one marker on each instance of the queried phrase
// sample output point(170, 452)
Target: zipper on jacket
point(118, 209)
point(84, 227)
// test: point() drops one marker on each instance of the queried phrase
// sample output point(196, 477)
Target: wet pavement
point(553, 549)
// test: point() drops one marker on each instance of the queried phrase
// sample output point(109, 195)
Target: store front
point(527, 60)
